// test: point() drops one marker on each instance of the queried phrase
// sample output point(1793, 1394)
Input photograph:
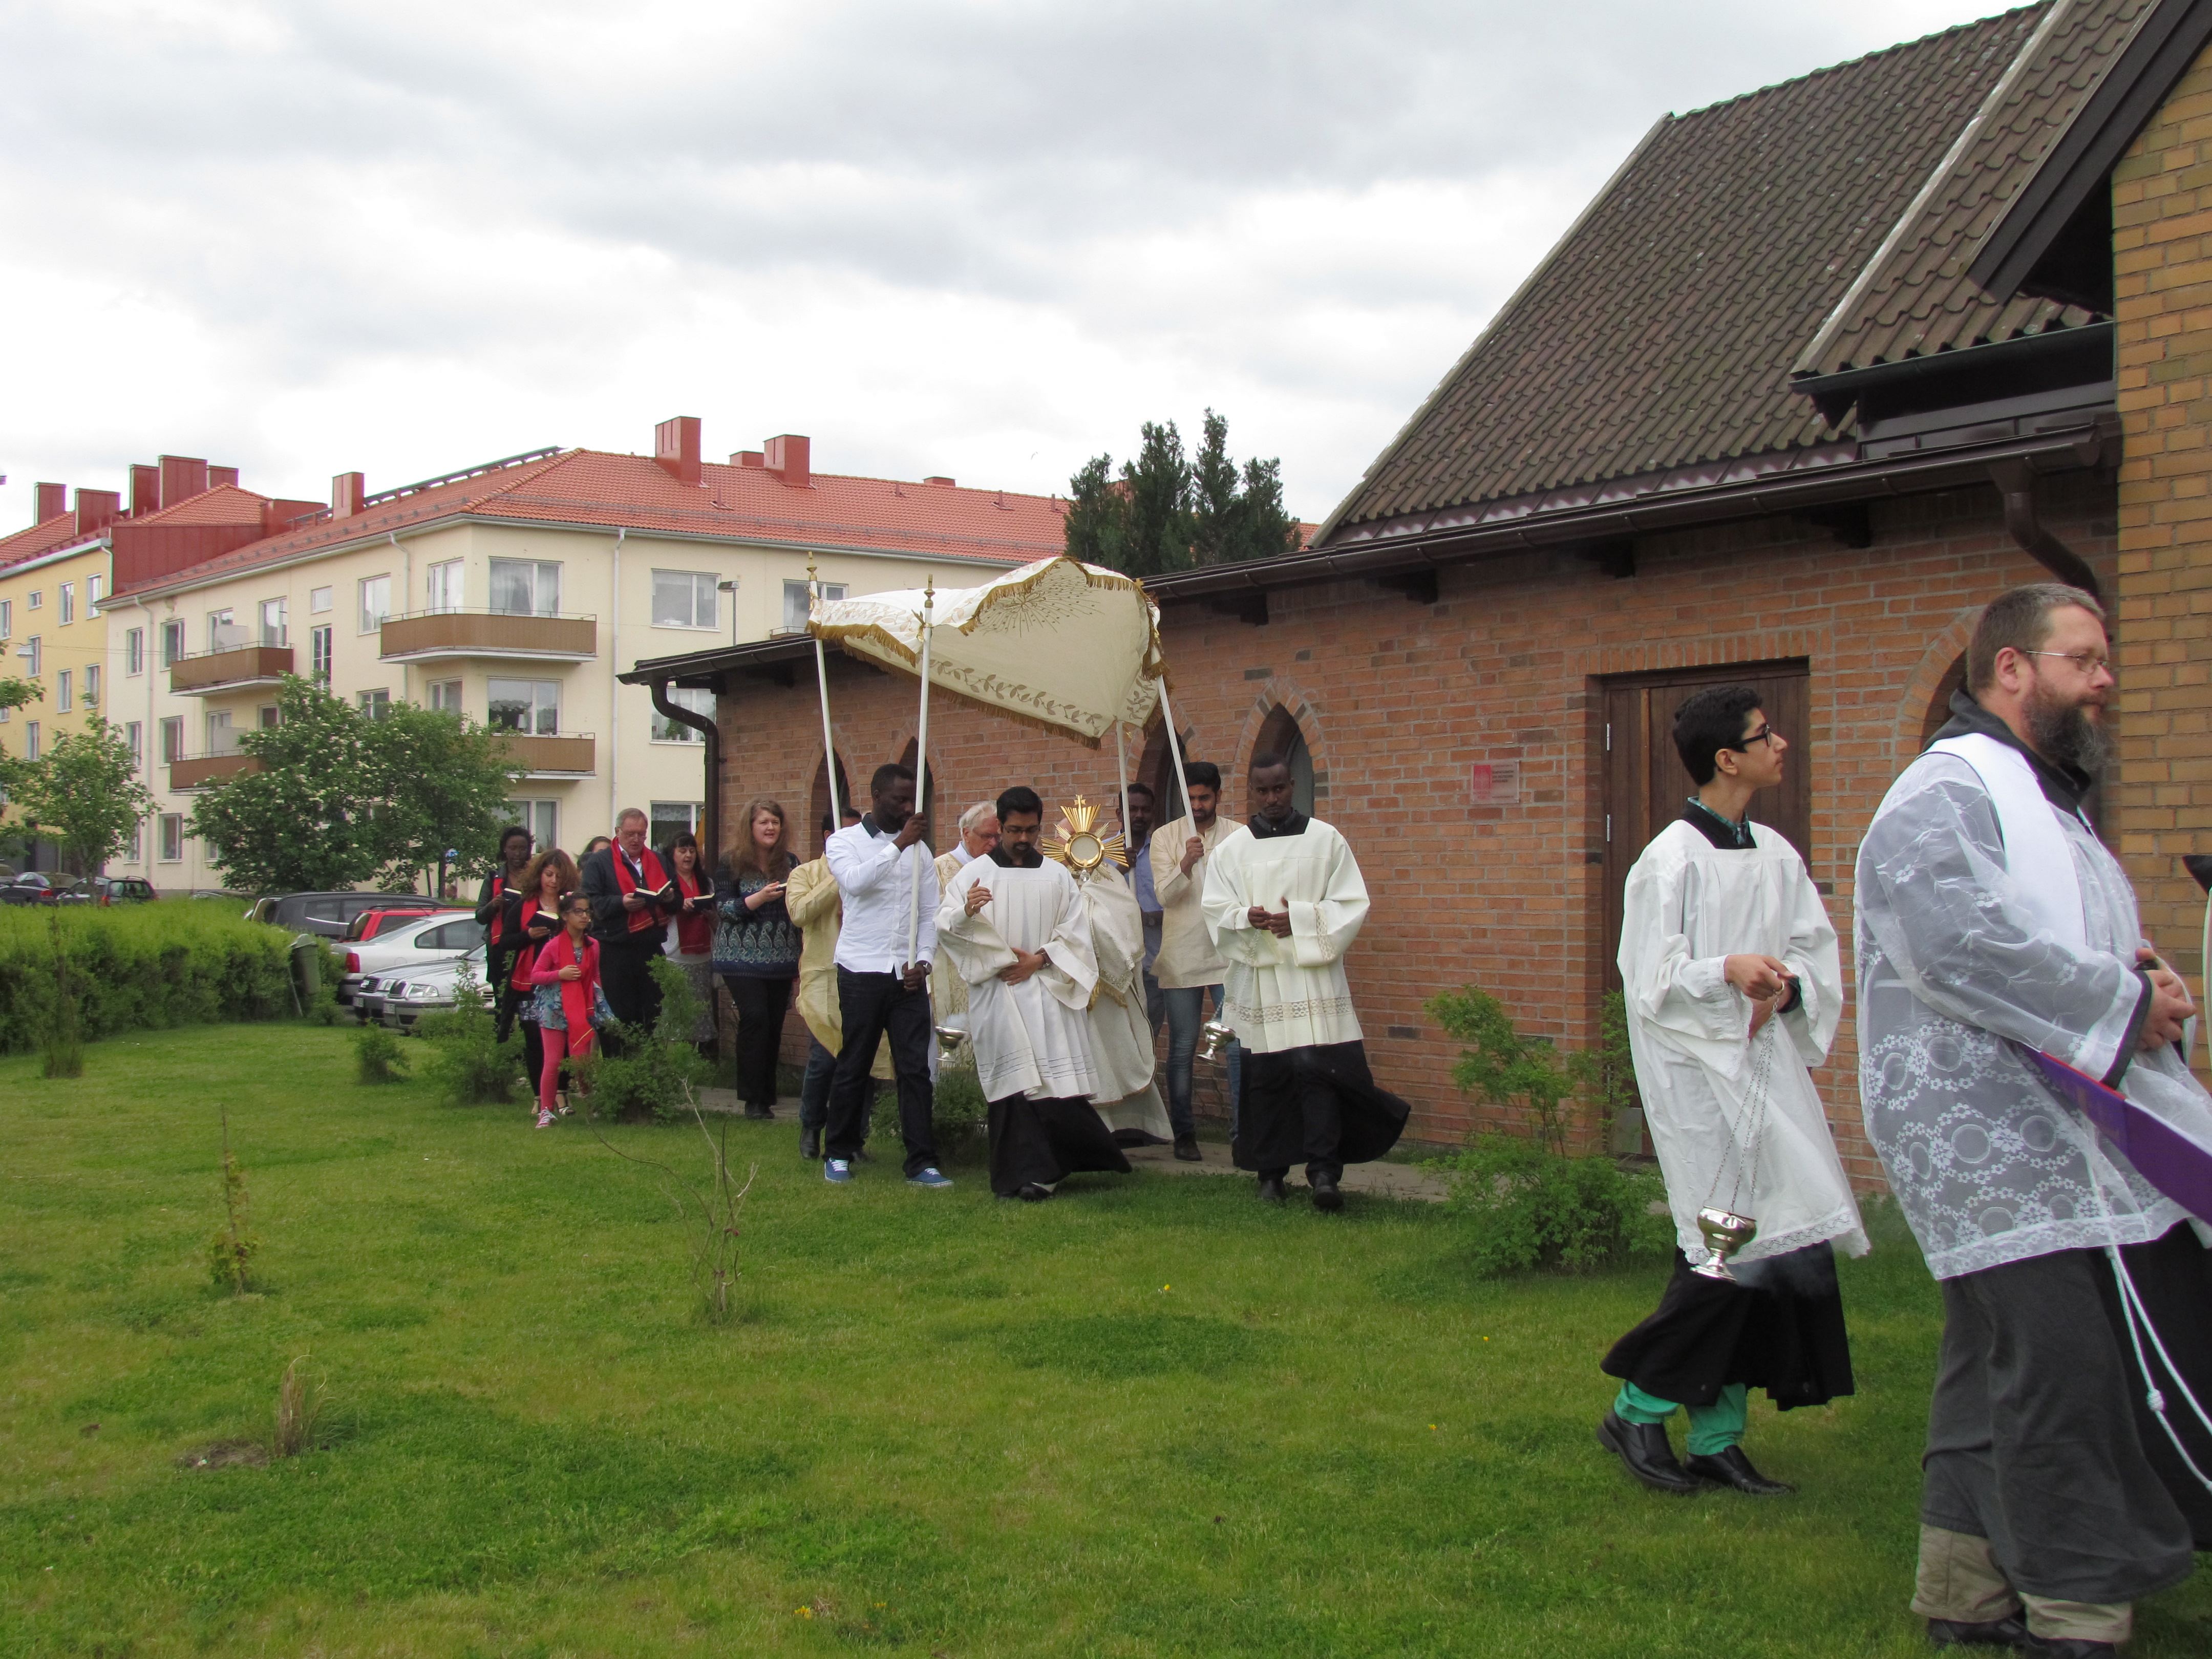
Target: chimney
point(145, 490)
point(96, 510)
point(346, 490)
point(182, 478)
point(790, 458)
point(748, 457)
point(676, 447)
point(223, 475)
point(53, 501)
point(947, 482)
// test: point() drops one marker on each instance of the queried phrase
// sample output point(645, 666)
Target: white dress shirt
point(876, 878)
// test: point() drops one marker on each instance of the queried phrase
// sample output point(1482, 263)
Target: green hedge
point(177, 962)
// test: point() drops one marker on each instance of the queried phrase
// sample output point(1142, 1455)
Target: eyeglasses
point(1765, 731)
point(2089, 662)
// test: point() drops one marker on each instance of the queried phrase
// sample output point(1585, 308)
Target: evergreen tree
point(1168, 511)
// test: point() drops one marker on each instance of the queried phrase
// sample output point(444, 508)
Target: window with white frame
point(530, 707)
point(92, 685)
point(541, 817)
point(698, 700)
point(683, 599)
point(375, 602)
point(69, 602)
point(137, 853)
point(94, 585)
point(275, 617)
point(319, 600)
point(30, 740)
point(7, 618)
point(376, 704)
point(441, 587)
point(222, 630)
point(318, 653)
point(526, 587)
point(794, 602)
point(33, 652)
point(446, 696)
point(65, 690)
point(134, 651)
point(670, 818)
point(173, 640)
point(134, 739)
point(173, 739)
point(222, 739)
point(173, 838)
point(38, 599)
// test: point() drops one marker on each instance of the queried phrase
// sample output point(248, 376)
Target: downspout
point(614, 690)
point(710, 821)
point(2015, 482)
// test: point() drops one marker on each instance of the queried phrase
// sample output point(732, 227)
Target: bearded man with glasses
point(1996, 929)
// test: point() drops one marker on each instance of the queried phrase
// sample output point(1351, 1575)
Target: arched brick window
point(1279, 735)
point(809, 832)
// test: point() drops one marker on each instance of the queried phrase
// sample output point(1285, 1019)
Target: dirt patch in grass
point(225, 1455)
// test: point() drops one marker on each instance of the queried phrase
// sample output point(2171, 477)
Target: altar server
point(1992, 922)
point(1734, 986)
point(1283, 901)
point(1014, 927)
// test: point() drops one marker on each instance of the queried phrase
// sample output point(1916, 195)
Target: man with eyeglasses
point(1734, 987)
point(1992, 924)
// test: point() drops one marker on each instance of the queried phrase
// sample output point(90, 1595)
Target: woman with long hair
point(691, 931)
point(756, 946)
point(570, 1004)
point(532, 917)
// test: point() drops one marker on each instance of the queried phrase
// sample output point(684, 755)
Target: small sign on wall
point(1496, 783)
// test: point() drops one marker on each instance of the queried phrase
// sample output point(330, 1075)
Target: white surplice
point(1121, 1037)
point(1033, 1038)
point(948, 992)
point(1286, 993)
point(1688, 906)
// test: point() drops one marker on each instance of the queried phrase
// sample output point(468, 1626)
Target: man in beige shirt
point(1188, 968)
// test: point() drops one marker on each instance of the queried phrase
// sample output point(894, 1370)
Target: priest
point(1015, 929)
point(948, 993)
point(1734, 986)
point(1128, 1097)
point(1993, 928)
point(1283, 901)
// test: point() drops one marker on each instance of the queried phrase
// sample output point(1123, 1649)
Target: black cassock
point(1040, 1142)
point(1316, 1105)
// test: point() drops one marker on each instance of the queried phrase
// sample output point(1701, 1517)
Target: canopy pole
point(1121, 772)
point(921, 772)
point(822, 679)
point(1175, 750)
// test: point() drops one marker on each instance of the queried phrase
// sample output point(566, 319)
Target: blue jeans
point(1186, 1011)
point(814, 1087)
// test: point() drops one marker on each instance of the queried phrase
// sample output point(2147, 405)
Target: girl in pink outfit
point(570, 1003)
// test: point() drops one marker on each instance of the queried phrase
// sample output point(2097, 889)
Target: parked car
point(108, 889)
point(326, 914)
point(370, 923)
point(442, 937)
point(432, 990)
point(32, 887)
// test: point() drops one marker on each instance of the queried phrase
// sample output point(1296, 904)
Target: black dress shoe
point(1642, 1450)
point(1186, 1148)
point(1327, 1195)
point(1732, 1468)
point(2067, 1647)
point(1271, 1190)
point(2006, 1632)
point(810, 1143)
point(1033, 1193)
point(757, 1113)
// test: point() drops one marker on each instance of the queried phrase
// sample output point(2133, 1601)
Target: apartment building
point(515, 592)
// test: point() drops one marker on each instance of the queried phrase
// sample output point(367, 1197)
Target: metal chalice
point(1725, 1232)
point(1213, 1035)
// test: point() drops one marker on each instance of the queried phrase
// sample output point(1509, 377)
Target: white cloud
point(986, 238)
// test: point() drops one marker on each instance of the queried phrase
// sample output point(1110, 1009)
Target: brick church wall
point(1397, 701)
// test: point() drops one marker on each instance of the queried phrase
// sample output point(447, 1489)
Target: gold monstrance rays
point(1080, 846)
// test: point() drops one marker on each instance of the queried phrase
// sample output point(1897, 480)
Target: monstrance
point(1080, 846)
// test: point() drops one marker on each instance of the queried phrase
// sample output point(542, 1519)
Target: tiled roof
point(223, 504)
point(1915, 297)
point(57, 531)
point(1660, 332)
point(592, 488)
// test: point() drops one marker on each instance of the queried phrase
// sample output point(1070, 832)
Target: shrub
point(1502, 1067)
point(179, 962)
point(1536, 1208)
point(653, 1076)
point(959, 1112)
point(64, 1045)
point(231, 1247)
point(377, 1054)
point(467, 1064)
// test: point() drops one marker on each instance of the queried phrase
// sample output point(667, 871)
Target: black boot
point(1732, 1468)
point(1186, 1148)
point(1642, 1450)
point(810, 1143)
point(2006, 1632)
point(1033, 1193)
point(1271, 1190)
point(1327, 1195)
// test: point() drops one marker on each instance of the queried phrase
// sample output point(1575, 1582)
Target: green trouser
point(1713, 1428)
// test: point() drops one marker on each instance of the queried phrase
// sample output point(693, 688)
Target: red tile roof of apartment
point(223, 504)
point(591, 489)
point(57, 531)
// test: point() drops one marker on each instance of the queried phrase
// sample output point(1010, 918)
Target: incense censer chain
point(1726, 1230)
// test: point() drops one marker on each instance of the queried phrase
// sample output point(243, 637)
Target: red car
point(370, 923)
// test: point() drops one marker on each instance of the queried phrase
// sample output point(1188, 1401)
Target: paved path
point(1386, 1180)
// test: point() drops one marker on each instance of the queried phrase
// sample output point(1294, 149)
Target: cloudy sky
point(986, 238)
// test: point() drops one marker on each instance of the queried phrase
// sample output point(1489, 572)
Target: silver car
point(439, 939)
point(434, 989)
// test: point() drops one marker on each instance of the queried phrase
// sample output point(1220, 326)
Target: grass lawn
point(1152, 1417)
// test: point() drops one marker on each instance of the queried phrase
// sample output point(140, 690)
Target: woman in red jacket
point(570, 1001)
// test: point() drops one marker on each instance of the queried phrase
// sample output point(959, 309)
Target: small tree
point(444, 782)
point(304, 820)
point(85, 793)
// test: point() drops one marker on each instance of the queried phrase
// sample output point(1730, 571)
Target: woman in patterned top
point(756, 948)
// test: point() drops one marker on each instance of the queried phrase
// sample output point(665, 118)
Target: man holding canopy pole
point(2009, 1002)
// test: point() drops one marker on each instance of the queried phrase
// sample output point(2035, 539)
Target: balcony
point(230, 668)
point(551, 757)
point(198, 771)
point(440, 635)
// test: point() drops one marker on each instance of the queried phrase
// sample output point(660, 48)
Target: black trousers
point(626, 975)
point(508, 1001)
point(760, 1004)
point(872, 1005)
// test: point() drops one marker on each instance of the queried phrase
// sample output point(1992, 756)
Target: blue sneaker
point(929, 1177)
point(836, 1170)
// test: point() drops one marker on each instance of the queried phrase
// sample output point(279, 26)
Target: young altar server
point(1992, 922)
point(1283, 901)
point(1014, 927)
point(1734, 986)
